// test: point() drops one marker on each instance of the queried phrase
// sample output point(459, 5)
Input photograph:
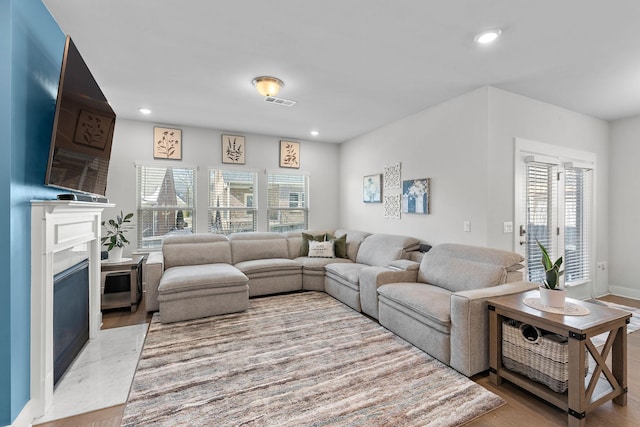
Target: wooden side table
point(583, 395)
point(130, 267)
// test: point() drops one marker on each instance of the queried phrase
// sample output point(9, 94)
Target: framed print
point(233, 149)
point(392, 206)
point(93, 129)
point(289, 154)
point(415, 196)
point(372, 188)
point(167, 143)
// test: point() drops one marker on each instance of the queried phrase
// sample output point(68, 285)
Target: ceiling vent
point(280, 101)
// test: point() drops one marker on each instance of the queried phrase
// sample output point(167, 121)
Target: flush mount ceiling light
point(314, 133)
point(267, 86)
point(488, 36)
point(145, 111)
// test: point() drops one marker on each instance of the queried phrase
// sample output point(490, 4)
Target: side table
point(583, 394)
point(132, 269)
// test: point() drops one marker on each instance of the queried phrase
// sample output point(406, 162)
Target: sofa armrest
point(371, 278)
point(470, 325)
point(153, 269)
point(404, 264)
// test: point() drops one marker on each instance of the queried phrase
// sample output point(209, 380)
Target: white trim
point(25, 417)
point(625, 292)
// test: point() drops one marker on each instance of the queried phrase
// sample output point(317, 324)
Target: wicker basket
point(542, 356)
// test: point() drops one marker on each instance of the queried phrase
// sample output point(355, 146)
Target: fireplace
point(58, 229)
point(70, 316)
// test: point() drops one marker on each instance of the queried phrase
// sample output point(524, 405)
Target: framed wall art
point(372, 189)
point(289, 154)
point(415, 196)
point(233, 149)
point(392, 206)
point(167, 143)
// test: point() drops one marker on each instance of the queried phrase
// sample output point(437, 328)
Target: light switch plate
point(508, 227)
point(467, 227)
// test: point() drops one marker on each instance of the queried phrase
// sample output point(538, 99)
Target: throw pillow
point(321, 249)
point(306, 238)
point(340, 246)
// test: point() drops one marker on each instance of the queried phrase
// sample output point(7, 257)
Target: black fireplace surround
point(70, 316)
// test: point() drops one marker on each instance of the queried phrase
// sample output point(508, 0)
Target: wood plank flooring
point(522, 409)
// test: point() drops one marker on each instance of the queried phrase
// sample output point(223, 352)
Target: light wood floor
point(522, 409)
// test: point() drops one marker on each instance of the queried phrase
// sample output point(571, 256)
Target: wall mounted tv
point(82, 129)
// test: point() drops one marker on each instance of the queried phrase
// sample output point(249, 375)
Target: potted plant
point(115, 238)
point(551, 293)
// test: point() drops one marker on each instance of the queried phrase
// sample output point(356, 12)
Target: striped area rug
point(295, 360)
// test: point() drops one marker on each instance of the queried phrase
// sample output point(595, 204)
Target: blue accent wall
point(34, 44)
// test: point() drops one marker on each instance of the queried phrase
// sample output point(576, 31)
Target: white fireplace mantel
point(57, 226)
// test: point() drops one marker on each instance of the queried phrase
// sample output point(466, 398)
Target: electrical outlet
point(467, 226)
point(507, 227)
point(602, 266)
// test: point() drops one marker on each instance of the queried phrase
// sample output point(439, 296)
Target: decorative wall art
point(392, 176)
point(372, 189)
point(289, 154)
point(167, 143)
point(93, 129)
point(415, 196)
point(233, 149)
point(392, 206)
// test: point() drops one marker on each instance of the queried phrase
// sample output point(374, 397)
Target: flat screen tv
point(82, 129)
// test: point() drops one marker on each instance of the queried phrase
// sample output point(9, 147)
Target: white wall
point(446, 143)
point(466, 147)
point(133, 142)
point(624, 205)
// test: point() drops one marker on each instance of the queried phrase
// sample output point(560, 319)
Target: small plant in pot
point(115, 239)
point(551, 294)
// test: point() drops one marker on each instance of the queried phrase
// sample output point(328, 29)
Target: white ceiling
point(351, 65)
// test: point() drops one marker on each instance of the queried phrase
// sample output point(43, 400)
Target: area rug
point(633, 325)
point(302, 359)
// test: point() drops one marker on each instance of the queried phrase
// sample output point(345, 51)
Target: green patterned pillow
point(304, 249)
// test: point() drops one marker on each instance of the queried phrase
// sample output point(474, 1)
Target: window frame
point(212, 205)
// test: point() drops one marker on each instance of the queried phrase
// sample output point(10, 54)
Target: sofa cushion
point(318, 264)
point(257, 245)
point(429, 304)
point(194, 249)
point(511, 260)
point(277, 265)
point(354, 239)
point(455, 274)
point(321, 249)
point(381, 249)
point(203, 276)
point(345, 273)
point(339, 245)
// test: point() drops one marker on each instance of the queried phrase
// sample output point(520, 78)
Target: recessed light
point(314, 133)
point(488, 36)
point(145, 111)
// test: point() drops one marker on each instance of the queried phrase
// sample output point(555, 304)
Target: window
point(165, 203)
point(555, 192)
point(232, 201)
point(288, 207)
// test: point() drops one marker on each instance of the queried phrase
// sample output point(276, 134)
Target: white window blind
point(165, 198)
point(541, 184)
point(577, 202)
point(232, 201)
point(287, 201)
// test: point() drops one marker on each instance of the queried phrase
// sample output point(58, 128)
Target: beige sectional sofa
point(436, 300)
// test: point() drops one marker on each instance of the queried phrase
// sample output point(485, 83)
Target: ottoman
point(194, 291)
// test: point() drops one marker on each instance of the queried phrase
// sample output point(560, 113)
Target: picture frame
point(392, 176)
point(372, 188)
point(416, 195)
point(392, 206)
point(167, 143)
point(234, 149)
point(93, 129)
point(289, 154)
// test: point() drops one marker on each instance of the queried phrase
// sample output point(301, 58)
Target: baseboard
point(25, 417)
point(624, 292)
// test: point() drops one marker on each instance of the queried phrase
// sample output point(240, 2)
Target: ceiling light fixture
point(314, 133)
point(145, 111)
point(488, 36)
point(268, 86)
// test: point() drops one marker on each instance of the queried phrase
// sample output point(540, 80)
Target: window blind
point(165, 199)
point(577, 195)
point(287, 201)
point(541, 184)
point(232, 201)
